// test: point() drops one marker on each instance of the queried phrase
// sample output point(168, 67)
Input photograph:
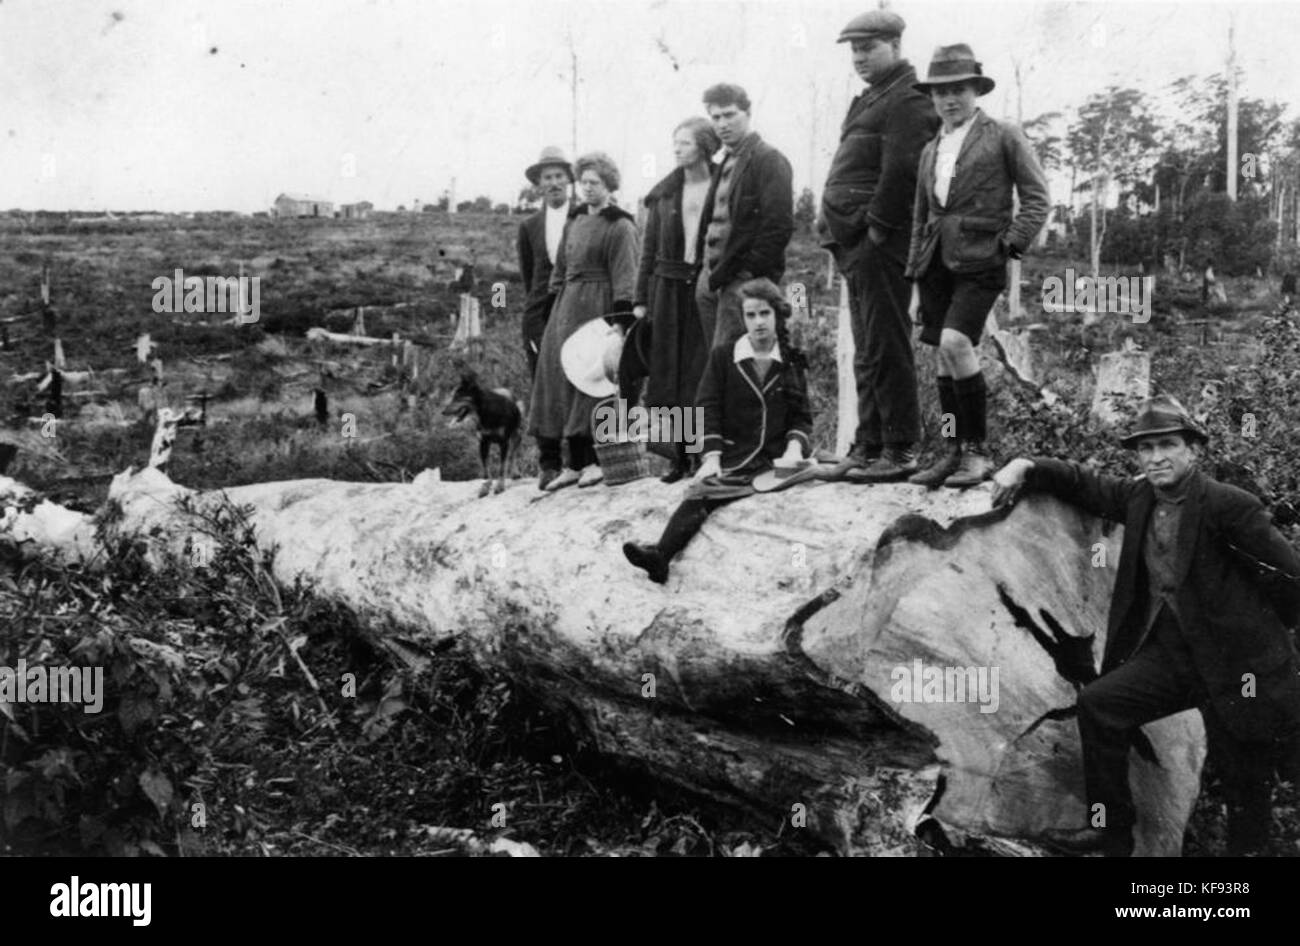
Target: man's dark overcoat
point(872, 180)
point(1231, 625)
point(761, 202)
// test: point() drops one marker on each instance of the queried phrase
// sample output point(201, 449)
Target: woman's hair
point(763, 288)
point(602, 164)
point(701, 129)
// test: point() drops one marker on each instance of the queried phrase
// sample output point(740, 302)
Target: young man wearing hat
point(1206, 590)
point(538, 244)
point(964, 229)
point(866, 223)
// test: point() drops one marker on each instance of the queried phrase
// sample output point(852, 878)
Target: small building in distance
point(357, 211)
point(302, 205)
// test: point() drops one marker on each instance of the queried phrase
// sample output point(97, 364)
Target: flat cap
point(872, 24)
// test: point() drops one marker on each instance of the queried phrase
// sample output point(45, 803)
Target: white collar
point(744, 348)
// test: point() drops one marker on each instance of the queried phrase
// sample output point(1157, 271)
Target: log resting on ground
point(781, 653)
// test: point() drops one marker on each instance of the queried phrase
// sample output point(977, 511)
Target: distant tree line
point(1168, 171)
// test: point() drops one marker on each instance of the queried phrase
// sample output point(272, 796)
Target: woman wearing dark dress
point(665, 286)
point(594, 275)
point(754, 395)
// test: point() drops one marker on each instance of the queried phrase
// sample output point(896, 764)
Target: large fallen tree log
point(804, 660)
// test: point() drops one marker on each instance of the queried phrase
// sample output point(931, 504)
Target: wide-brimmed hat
point(779, 478)
point(955, 63)
point(1162, 414)
point(552, 156)
point(590, 358)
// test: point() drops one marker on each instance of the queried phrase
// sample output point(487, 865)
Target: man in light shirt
point(539, 244)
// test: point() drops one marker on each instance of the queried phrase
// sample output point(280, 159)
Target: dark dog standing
point(498, 417)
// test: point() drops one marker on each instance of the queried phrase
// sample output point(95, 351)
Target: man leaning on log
point(1205, 593)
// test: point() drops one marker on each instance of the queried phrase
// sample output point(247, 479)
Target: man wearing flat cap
point(1206, 591)
point(539, 244)
point(866, 223)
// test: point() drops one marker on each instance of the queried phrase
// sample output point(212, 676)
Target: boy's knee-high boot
point(972, 403)
point(950, 420)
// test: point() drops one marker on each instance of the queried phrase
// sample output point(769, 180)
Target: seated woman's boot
point(648, 557)
point(682, 525)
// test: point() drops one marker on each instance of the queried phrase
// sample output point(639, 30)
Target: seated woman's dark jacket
point(748, 420)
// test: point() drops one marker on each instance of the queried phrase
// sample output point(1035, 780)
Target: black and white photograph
point(650, 429)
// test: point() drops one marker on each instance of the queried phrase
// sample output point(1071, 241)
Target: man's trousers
point(722, 314)
point(1158, 681)
point(883, 363)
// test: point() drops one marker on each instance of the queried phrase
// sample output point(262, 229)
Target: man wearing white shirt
point(540, 237)
point(950, 143)
point(965, 226)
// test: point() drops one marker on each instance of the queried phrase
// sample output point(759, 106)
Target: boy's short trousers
point(960, 301)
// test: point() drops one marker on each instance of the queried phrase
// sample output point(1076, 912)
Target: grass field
point(261, 376)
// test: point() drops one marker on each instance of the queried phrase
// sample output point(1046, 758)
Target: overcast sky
point(180, 105)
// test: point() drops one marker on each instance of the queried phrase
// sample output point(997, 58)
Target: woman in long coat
point(665, 286)
point(754, 395)
point(594, 276)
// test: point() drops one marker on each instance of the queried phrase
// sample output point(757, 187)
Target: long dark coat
point(594, 276)
point(1230, 625)
point(761, 205)
point(665, 285)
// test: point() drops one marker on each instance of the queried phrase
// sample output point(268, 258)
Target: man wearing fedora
point(1206, 590)
point(866, 223)
point(964, 230)
point(748, 216)
point(538, 244)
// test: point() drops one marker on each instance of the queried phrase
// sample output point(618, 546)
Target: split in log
point(862, 661)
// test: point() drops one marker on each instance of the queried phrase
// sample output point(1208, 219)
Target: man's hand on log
point(1009, 481)
point(711, 465)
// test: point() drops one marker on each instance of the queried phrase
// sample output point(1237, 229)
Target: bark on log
point(777, 648)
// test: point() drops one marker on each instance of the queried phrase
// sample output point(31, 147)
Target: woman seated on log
point(754, 395)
